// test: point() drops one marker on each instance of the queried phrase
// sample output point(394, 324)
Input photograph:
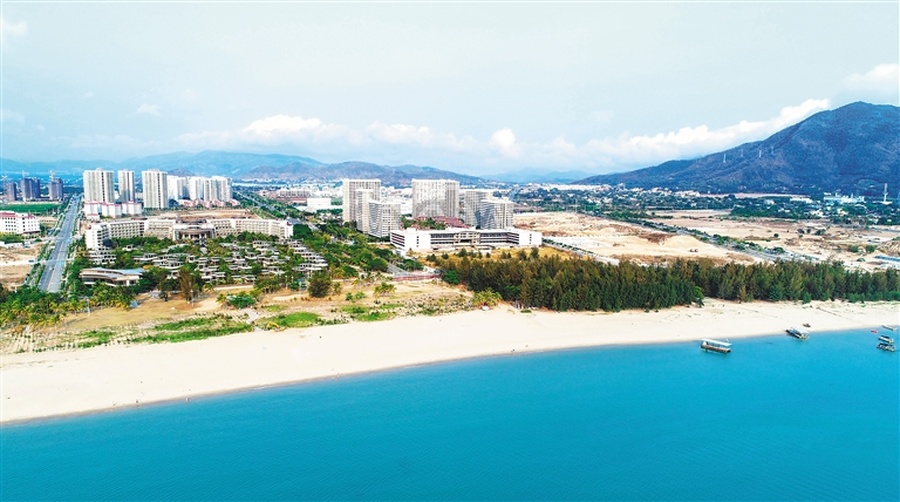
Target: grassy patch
point(367, 314)
point(294, 320)
point(274, 308)
point(225, 327)
point(95, 337)
point(185, 323)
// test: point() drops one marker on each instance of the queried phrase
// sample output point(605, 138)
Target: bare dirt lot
point(819, 239)
point(617, 240)
point(15, 264)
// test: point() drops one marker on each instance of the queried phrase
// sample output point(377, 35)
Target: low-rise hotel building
point(411, 239)
point(99, 232)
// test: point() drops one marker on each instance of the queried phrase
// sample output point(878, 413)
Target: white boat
point(886, 343)
point(715, 346)
point(798, 333)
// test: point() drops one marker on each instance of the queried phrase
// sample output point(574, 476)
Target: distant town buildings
point(55, 188)
point(10, 191)
point(18, 223)
point(435, 198)
point(29, 189)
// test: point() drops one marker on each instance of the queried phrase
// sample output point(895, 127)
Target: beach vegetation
point(582, 284)
point(196, 328)
point(293, 320)
point(319, 285)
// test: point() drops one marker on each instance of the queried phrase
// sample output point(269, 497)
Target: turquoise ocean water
point(778, 419)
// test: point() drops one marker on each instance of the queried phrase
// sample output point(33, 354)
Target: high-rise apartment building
point(177, 186)
point(217, 189)
point(10, 191)
point(350, 205)
point(435, 198)
point(196, 187)
point(495, 214)
point(29, 189)
point(126, 186)
point(55, 188)
point(362, 209)
point(155, 188)
point(98, 186)
point(470, 203)
point(384, 217)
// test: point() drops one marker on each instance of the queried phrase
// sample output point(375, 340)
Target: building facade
point(98, 186)
point(55, 189)
point(411, 239)
point(350, 205)
point(126, 186)
point(18, 223)
point(384, 218)
point(98, 233)
point(435, 198)
point(155, 189)
point(470, 201)
point(495, 214)
point(10, 191)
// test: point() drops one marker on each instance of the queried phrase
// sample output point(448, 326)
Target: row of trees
point(581, 284)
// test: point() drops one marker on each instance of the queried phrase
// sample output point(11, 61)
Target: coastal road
point(54, 267)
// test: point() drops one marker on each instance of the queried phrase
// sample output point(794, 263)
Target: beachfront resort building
point(99, 233)
point(18, 223)
point(412, 239)
point(432, 198)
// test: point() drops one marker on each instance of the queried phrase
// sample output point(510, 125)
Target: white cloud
point(504, 140)
point(882, 78)
point(7, 115)
point(424, 144)
point(11, 30)
point(148, 109)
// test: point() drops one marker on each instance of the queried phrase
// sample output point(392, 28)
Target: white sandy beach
point(46, 384)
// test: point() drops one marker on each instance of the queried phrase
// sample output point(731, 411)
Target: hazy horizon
point(472, 88)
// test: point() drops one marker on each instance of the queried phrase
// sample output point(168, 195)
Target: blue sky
point(471, 87)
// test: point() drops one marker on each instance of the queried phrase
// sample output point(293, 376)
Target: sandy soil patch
point(619, 240)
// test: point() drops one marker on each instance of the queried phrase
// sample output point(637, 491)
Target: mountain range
point(855, 149)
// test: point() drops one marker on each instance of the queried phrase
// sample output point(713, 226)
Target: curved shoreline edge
point(50, 384)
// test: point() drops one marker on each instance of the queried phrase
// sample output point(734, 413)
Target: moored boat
point(797, 333)
point(715, 346)
point(886, 343)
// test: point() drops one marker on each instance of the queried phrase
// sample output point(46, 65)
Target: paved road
point(56, 264)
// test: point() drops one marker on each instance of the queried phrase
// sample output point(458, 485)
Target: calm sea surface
point(778, 419)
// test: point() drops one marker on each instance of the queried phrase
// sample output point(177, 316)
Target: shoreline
point(67, 383)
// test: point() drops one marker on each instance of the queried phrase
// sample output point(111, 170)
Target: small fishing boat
point(798, 333)
point(892, 328)
point(886, 343)
point(715, 346)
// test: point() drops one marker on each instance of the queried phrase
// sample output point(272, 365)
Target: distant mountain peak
point(854, 148)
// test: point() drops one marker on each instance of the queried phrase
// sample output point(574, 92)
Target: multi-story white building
point(411, 239)
point(494, 214)
point(155, 188)
point(362, 199)
point(55, 188)
point(126, 186)
point(435, 198)
point(217, 189)
point(384, 218)
point(470, 204)
point(350, 204)
point(18, 223)
point(98, 186)
point(196, 188)
point(95, 210)
point(173, 229)
point(177, 187)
